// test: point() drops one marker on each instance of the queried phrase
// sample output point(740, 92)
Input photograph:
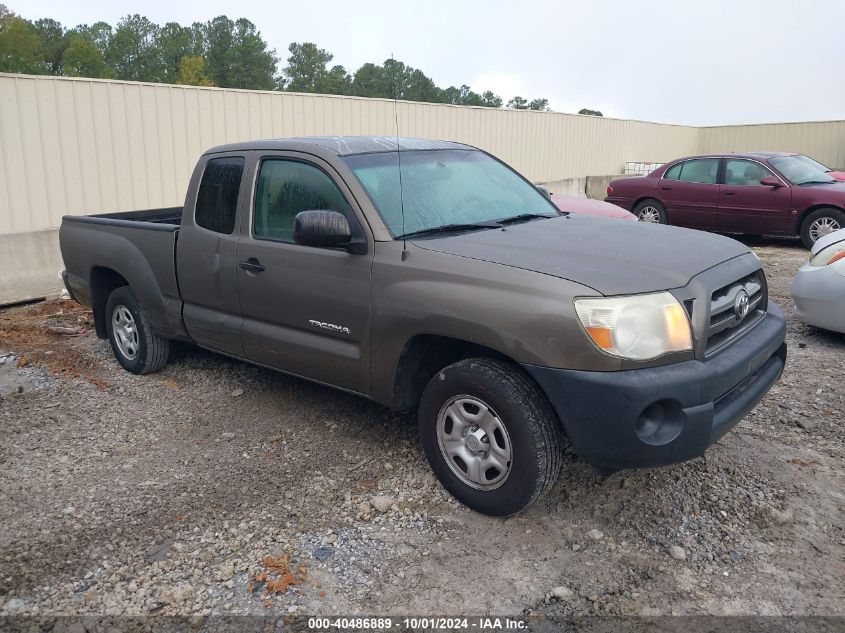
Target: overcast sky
point(698, 62)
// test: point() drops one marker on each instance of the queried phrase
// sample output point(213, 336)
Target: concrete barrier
point(30, 264)
point(594, 187)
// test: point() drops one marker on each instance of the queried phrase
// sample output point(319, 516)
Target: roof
point(760, 155)
point(344, 145)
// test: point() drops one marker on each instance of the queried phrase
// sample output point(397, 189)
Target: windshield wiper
point(522, 217)
point(458, 226)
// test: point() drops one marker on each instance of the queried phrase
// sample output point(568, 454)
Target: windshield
point(814, 163)
point(799, 171)
point(445, 187)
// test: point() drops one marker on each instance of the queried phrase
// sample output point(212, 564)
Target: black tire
point(643, 206)
point(532, 428)
point(150, 350)
point(829, 214)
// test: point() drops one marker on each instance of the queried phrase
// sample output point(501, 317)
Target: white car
point(818, 290)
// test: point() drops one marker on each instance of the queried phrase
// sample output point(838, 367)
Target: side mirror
point(771, 181)
point(321, 228)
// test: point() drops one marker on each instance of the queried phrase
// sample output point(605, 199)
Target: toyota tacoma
point(430, 276)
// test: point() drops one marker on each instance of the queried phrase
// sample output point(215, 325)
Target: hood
point(837, 189)
point(588, 206)
point(610, 257)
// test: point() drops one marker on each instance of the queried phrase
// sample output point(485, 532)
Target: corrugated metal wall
point(90, 146)
point(824, 140)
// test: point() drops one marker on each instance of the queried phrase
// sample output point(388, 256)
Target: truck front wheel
point(490, 435)
point(136, 347)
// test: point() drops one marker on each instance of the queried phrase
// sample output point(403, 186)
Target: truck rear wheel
point(136, 347)
point(490, 436)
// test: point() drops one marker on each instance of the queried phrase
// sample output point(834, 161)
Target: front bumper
point(662, 415)
point(818, 293)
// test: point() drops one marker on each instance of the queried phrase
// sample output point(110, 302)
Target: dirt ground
point(216, 487)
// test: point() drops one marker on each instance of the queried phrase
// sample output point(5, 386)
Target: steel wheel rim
point(649, 214)
point(125, 332)
point(474, 442)
point(823, 226)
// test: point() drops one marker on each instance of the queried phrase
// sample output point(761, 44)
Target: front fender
point(523, 315)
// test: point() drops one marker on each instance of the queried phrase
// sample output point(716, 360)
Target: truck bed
point(168, 217)
point(138, 247)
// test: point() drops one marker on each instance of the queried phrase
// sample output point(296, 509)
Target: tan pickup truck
point(431, 276)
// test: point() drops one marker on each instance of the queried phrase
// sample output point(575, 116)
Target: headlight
point(637, 327)
point(829, 254)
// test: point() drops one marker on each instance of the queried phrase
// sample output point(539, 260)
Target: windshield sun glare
point(445, 188)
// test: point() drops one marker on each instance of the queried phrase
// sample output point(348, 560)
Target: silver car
point(818, 290)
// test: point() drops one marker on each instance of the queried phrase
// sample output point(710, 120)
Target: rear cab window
point(217, 197)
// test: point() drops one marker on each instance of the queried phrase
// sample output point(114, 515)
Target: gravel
point(215, 487)
point(678, 553)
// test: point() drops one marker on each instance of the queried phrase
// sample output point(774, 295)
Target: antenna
point(399, 160)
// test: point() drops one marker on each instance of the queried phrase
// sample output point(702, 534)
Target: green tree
point(99, 34)
point(337, 82)
point(133, 50)
point(192, 71)
point(20, 46)
point(491, 100)
point(466, 96)
point(237, 56)
point(175, 42)
point(53, 43)
point(461, 96)
point(217, 41)
point(539, 104)
point(590, 112)
point(307, 71)
point(394, 79)
point(307, 67)
point(518, 103)
point(420, 87)
point(369, 81)
point(82, 58)
point(252, 64)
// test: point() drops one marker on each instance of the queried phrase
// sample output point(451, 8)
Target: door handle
point(252, 265)
point(729, 193)
point(666, 188)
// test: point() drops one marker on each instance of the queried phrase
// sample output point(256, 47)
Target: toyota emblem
point(741, 305)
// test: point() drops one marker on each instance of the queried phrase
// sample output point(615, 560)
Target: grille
point(725, 323)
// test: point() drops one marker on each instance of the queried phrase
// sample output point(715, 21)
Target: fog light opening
point(660, 422)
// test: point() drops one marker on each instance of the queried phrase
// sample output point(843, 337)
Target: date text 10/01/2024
point(428, 623)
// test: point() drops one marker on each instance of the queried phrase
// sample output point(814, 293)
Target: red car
point(838, 175)
point(763, 193)
point(587, 206)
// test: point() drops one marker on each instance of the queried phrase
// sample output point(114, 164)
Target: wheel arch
point(426, 354)
point(650, 196)
point(103, 282)
point(799, 222)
